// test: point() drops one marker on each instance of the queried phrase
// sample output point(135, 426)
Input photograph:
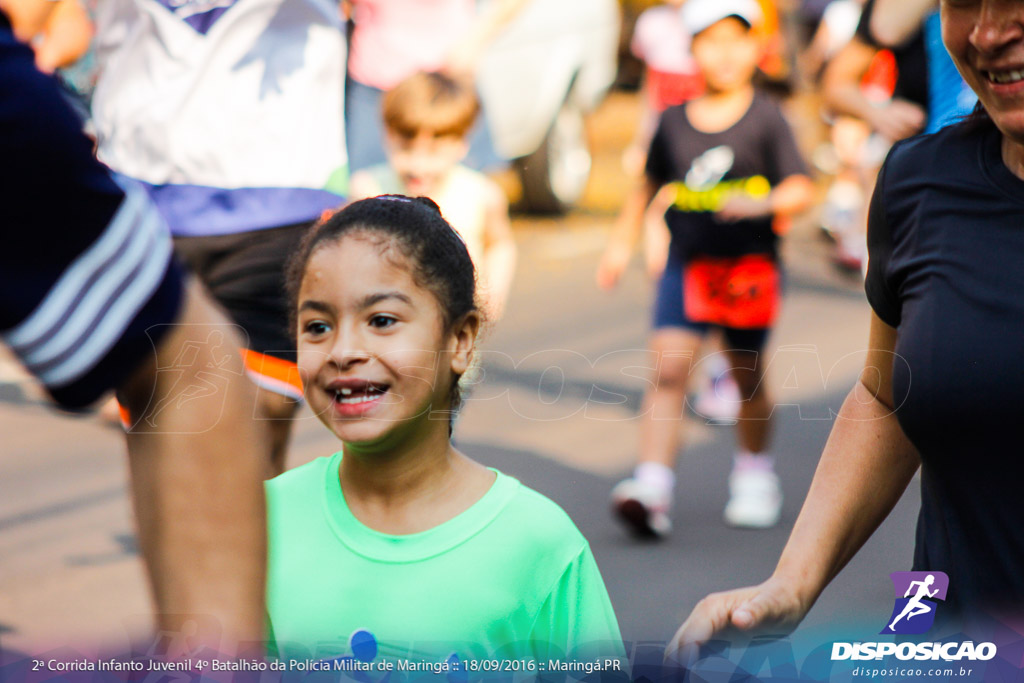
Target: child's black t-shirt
point(704, 169)
point(946, 240)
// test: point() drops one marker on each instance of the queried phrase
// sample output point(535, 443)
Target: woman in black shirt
point(943, 386)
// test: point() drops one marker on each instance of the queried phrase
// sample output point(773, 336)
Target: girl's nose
point(349, 350)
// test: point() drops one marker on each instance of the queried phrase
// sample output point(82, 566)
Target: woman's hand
point(773, 606)
point(865, 467)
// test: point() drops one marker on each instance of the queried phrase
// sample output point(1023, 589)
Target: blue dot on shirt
point(364, 646)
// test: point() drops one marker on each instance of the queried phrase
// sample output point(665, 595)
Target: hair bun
point(422, 201)
point(428, 202)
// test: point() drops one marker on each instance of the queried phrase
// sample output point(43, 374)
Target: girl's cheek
point(307, 363)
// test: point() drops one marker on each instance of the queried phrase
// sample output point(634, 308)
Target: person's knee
point(675, 352)
point(673, 375)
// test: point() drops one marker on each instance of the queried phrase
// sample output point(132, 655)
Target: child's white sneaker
point(755, 498)
point(642, 507)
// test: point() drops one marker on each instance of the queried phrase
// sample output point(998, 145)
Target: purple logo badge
point(916, 593)
point(199, 14)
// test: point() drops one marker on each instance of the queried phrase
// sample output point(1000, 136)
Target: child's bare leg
point(664, 404)
point(642, 502)
point(755, 496)
point(753, 428)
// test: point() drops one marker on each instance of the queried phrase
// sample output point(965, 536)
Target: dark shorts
point(87, 282)
point(670, 313)
point(245, 273)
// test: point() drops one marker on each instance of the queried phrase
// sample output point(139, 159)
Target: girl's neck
point(714, 112)
point(413, 486)
point(403, 470)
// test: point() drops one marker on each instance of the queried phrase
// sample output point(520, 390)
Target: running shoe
point(755, 498)
point(642, 508)
point(720, 400)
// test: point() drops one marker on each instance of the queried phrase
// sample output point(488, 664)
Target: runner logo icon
point(914, 608)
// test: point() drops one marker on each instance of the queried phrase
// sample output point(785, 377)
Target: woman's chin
point(1011, 124)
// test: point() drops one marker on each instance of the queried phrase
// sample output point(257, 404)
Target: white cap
point(700, 14)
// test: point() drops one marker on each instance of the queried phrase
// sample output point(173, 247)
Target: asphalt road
point(556, 408)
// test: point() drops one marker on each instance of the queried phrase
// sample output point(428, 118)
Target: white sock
point(657, 475)
point(745, 460)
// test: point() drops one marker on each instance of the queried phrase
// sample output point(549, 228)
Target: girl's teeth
point(1006, 76)
point(346, 392)
point(358, 399)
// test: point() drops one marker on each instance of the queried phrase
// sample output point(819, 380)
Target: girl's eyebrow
point(310, 305)
point(371, 299)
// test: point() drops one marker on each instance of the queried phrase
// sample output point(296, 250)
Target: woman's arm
point(864, 469)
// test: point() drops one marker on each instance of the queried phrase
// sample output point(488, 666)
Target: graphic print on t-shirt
point(710, 167)
point(701, 171)
point(703, 188)
point(199, 14)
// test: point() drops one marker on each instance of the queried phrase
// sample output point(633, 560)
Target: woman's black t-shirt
point(704, 169)
point(946, 242)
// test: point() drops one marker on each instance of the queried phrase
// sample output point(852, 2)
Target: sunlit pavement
point(562, 378)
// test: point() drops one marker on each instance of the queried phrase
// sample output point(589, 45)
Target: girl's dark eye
point(382, 321)
point(316, 327)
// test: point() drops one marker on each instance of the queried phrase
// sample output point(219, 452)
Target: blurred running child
point(671, 77)
point(427, 119)
point(731, 164)
point(398, 533)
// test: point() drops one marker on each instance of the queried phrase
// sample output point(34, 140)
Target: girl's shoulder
point(538, 522)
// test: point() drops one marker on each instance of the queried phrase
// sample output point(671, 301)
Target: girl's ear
point(464, 341)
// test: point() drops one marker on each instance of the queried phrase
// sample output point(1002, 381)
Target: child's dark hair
point(438, 256)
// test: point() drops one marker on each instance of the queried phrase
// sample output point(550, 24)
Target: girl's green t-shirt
point(510, 578)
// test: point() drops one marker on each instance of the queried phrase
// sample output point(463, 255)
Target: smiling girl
point(400, 534)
